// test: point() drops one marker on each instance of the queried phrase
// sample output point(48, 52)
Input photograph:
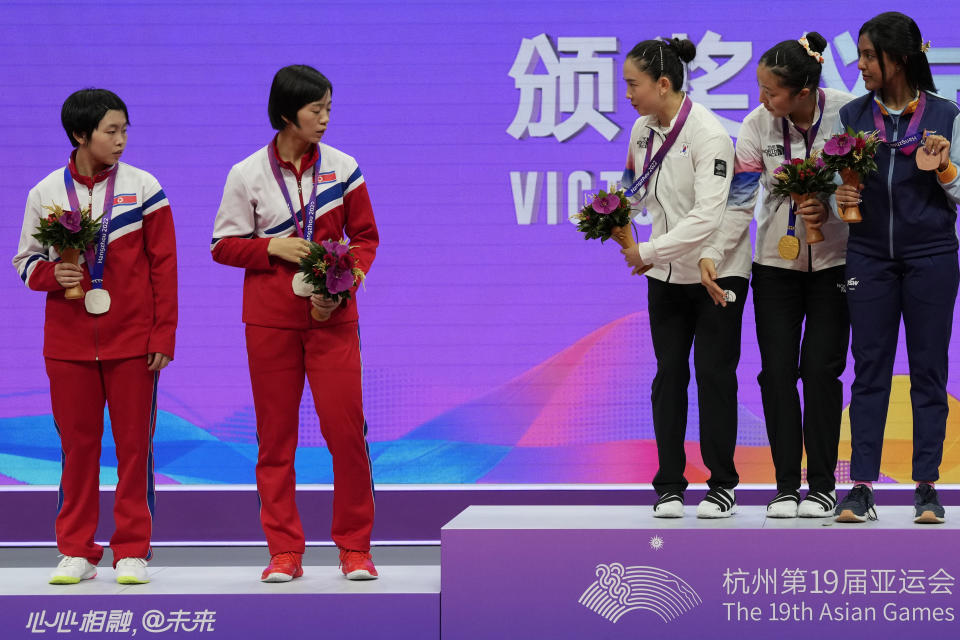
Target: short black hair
point(898, 36)
point(664, 58)
point(293, 88)
point(790, 62)
point(83, 110)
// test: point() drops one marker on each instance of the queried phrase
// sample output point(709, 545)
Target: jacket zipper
point(666, 219)
point(96, 323)
point(893, 157)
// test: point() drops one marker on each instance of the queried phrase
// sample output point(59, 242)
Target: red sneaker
point(357, 565)
point(283, 567)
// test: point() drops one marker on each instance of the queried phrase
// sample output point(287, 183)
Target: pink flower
point(70, 221)
point(338, 280)
point(859, 143)
point(606, 204)
point(839, 145)
point(819, 163)
point(345, 262)
point(796, 161)
point(334, 247)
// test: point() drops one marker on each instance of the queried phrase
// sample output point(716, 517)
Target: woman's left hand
point(157, 361)
point(938, 145)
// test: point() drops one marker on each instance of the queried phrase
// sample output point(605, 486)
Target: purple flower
point(819, 163)
point(334, 247)
point(606, 204)
point(70, 221)
point(339, 280)
point(779, 170)
point(838, 145)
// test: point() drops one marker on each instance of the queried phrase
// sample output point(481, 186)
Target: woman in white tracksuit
point(679, 166)
point(798, 288)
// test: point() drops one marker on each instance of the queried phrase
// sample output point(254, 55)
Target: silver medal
point(301, 287)
point(97, 301)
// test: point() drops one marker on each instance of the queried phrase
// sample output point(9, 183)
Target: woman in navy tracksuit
point(902, 259)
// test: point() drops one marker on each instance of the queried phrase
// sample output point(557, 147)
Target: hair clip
point(924, 46)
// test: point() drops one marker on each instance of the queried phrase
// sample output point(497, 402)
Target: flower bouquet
point(331, 268)
point(851, 155)
point(70, 233)
point(802, 180)
point(605, 216)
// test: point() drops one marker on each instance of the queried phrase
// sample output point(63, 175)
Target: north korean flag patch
point(124, 198)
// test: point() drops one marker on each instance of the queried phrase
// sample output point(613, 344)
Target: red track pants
point(330, 359)
point(78, 392)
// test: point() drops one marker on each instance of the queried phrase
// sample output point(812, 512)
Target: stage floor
point(586, 517)
point(26, 581)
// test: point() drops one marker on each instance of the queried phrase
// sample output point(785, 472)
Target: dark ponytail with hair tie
point(793, 65)
point(667, 58)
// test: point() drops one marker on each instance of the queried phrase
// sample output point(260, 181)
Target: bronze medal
point(927, 161)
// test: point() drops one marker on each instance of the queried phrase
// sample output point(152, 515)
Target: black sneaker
point(927, 508)
point(670, 505)
point(857, 506)
point(718, 503)
point(784, 505)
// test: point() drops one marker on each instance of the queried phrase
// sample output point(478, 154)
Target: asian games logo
point(618, 590)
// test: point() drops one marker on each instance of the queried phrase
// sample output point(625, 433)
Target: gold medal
point(789, 247)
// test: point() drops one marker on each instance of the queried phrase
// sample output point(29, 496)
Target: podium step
point(618, 572)
point(223, 602)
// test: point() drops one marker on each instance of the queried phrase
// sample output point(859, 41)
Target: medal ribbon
point(651, 166)
point(103, 235)
point(305, 231)
point(912, 137)
point(808, 140)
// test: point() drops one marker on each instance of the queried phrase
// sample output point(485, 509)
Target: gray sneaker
point(926, 506)
point(857, 506)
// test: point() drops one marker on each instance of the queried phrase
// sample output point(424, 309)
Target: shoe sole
point(781, 516)
point(69, 579)
point(716, 516)
point(132, 580)
point(928, 517)
point(849, 516)
point(278, 577)
point(667, 515)
point(360, 574)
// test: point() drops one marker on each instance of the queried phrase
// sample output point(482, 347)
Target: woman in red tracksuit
point(109, 347)
point(276, 201)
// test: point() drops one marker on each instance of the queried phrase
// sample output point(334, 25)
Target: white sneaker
point(784, 505)
point(718, 503)
point(72, 570)
point(818, 505)
point(132, 571)
point(669, 505)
